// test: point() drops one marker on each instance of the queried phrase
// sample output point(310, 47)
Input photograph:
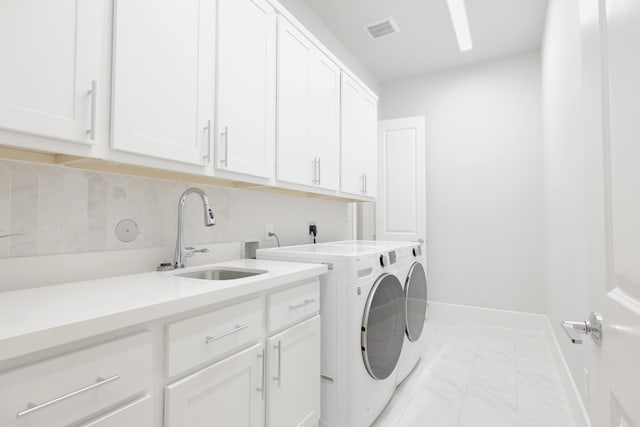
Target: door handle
point(591, 326)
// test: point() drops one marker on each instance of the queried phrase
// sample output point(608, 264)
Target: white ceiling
point(426, 41)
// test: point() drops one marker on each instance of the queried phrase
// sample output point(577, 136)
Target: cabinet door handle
point(278, 378)
point(235, 330)
point(33, 407)
point(263, 375)
point(362, 187)
point(94, 105)
point(302, 304)
point(365, 183)
point(207, 129)
point(224, 162)
point(319, 171)
point(314, 163)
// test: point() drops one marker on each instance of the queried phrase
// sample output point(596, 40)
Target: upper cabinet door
point(246, 87)
point(295, 161)
point(325, 119)
point(50, 54)
point(368, 143)
point(163, 75)
point(351, 172)
point(359, 130)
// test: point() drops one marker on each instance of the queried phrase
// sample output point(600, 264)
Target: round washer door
point(383, 325)
point(415, 290)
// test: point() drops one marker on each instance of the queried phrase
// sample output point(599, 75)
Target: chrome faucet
point(209, 220)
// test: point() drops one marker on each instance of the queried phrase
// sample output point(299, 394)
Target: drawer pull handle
point(235, 330)
point(32, 407)
point(302, 304)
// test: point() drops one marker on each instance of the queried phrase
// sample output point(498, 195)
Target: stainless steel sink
point(221, 274)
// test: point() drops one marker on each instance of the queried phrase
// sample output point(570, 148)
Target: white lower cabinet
point(229, 393)
point(248, 363)
point(66, 389)
point(293, 394)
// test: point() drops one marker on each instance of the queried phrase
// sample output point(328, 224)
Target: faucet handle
point(191, 251)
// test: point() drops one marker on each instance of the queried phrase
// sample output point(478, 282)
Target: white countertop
point(39, 318)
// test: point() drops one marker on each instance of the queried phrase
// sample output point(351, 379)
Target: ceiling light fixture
point(458, 13)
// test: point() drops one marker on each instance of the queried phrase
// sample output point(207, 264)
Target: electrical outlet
point(269, 229)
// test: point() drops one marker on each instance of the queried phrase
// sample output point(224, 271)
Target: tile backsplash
point(59, 210)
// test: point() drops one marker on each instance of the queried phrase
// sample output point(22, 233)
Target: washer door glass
point(383, 326)
point(416, 294)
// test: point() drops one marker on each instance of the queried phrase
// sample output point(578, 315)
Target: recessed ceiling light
point(458, 13)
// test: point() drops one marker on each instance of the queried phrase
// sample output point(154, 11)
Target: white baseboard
point(487, 316)
point(527, 321)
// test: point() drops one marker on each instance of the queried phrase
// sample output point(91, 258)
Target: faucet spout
point(209, 220)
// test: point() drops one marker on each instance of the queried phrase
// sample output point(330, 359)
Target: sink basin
point(221, 274)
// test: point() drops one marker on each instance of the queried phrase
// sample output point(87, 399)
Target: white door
point(229, 393)
point(325, 119)
point(294, 376)
point(163, 78)
point(612, 138)
point(50, 60)
point(351, 171)
point(246, 87)
point(295, 162)
point(138, 413)
point(401, 203)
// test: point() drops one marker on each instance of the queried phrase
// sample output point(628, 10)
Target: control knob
point(384, 260)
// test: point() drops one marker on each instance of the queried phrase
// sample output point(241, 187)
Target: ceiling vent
point(382, 28)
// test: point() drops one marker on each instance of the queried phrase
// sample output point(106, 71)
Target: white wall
point(484, 180)
point(564, 156)
point(309, 19)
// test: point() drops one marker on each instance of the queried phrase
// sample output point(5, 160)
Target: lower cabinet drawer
point(292, 305)
point(138, 414)
point(74, 386)
point(192, 342)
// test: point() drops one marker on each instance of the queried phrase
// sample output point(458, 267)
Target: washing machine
point(411, 273)
point(362, 311)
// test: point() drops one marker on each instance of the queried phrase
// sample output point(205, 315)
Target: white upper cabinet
point(295, 161)
point(325, 119)
point(163, 78)
point(359, 116)
point(245, 137)
point(368, 143)
point(308, 111)
point(50, 72)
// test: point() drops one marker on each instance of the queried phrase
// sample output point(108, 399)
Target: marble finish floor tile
point(471, 376)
